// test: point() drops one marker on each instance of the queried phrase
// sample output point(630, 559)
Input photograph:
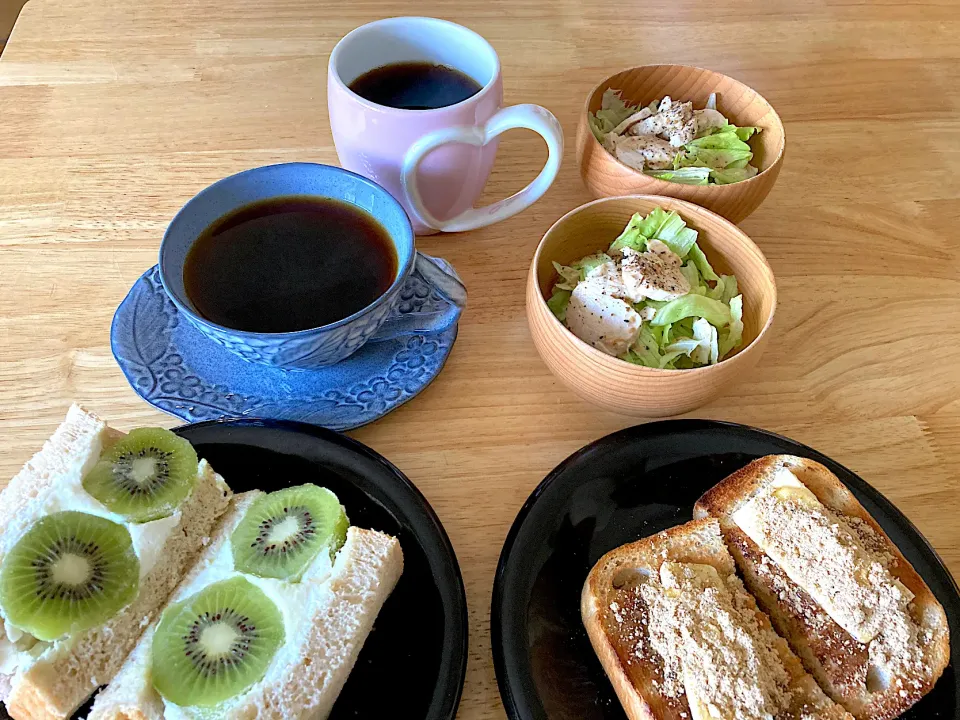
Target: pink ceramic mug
point(435, 162)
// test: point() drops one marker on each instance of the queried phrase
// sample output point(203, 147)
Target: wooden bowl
point(615, 384)
point(605, 176)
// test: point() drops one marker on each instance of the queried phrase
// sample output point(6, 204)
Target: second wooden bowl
point(615, 384)
point(605, 176)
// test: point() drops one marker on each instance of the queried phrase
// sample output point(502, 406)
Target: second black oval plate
point(625, 486)
point(416, 657)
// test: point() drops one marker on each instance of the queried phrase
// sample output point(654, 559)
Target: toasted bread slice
point(876, 663)
point(48, 681)
point(336, 609)
point(623, 612)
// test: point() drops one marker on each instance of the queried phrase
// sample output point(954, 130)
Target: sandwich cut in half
point(835, 586)
point(270, 620)
point(681, 639)
point(96, 531)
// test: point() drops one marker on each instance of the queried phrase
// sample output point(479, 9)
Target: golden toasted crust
point(836, 660)
point(620, 639)
point(636, 675)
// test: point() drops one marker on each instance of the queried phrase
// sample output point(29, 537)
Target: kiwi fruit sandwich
point(96, 531)
point(269, 621)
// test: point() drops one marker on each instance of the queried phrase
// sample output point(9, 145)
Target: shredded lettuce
point(723, 138)
point(590, 262)
point(569, 276)
point(696, 329)
point(713, 158)
point(684, 345)
point(692, 275)
point(724, 290)
point(686, 176)
point(649, 350)
point(714, 311)
point(675, 234)
point(667, 227)
point(703, 265)
point(732, 174)
point(558, 303)
point(733, 335)
point(709, 159)
point(646, 349)
point(722, 151)
point(634, 235)
point(613, 111)
point(708, 352)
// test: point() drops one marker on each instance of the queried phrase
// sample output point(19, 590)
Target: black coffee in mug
point(415, 86)
point(289, 263)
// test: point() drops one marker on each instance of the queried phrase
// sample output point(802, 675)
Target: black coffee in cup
point(287, 264)
point(415, 86)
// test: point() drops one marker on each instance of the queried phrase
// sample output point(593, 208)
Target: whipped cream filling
point(295, 600)
point(19, 649)
point(148, 538)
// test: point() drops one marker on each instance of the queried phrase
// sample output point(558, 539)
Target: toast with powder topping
point(681, 639)
point(856, 612)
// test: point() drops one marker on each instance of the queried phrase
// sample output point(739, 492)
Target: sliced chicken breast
point(608, 323)
point(663, 251)
point(639, 151)
point(641, 114)
point(706, 119)
point(672, 119)
point(654, 274)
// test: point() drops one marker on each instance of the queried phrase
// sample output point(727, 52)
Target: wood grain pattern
point(115, 112)
point(616, 385)
point(605, 176)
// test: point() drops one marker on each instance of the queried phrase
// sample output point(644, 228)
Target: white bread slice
point(68, 671)
point(342, 603)
point(838, 660)
point(618, 621)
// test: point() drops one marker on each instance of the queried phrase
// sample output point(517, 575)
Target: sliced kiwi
point(215, 644)
point(282, 532)
point(69, 572)
point(145, 475)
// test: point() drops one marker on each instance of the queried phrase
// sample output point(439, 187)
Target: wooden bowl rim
point(666, 185)
point(615, 362)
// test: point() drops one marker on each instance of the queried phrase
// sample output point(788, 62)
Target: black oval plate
point(618, 489)
point(415, 659)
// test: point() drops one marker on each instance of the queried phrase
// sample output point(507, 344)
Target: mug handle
point(532, 117)
point(441, 277)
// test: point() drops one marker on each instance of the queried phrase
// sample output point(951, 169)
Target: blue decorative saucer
point(172, 366)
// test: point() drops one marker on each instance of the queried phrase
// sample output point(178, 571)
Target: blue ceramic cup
point(331, 343)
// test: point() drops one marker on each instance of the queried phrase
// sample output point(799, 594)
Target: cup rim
point(666, 185)
point(483, 92)
point(402, 272)
point(642, 369)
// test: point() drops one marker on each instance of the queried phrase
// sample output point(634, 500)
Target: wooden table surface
point(114, 112)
